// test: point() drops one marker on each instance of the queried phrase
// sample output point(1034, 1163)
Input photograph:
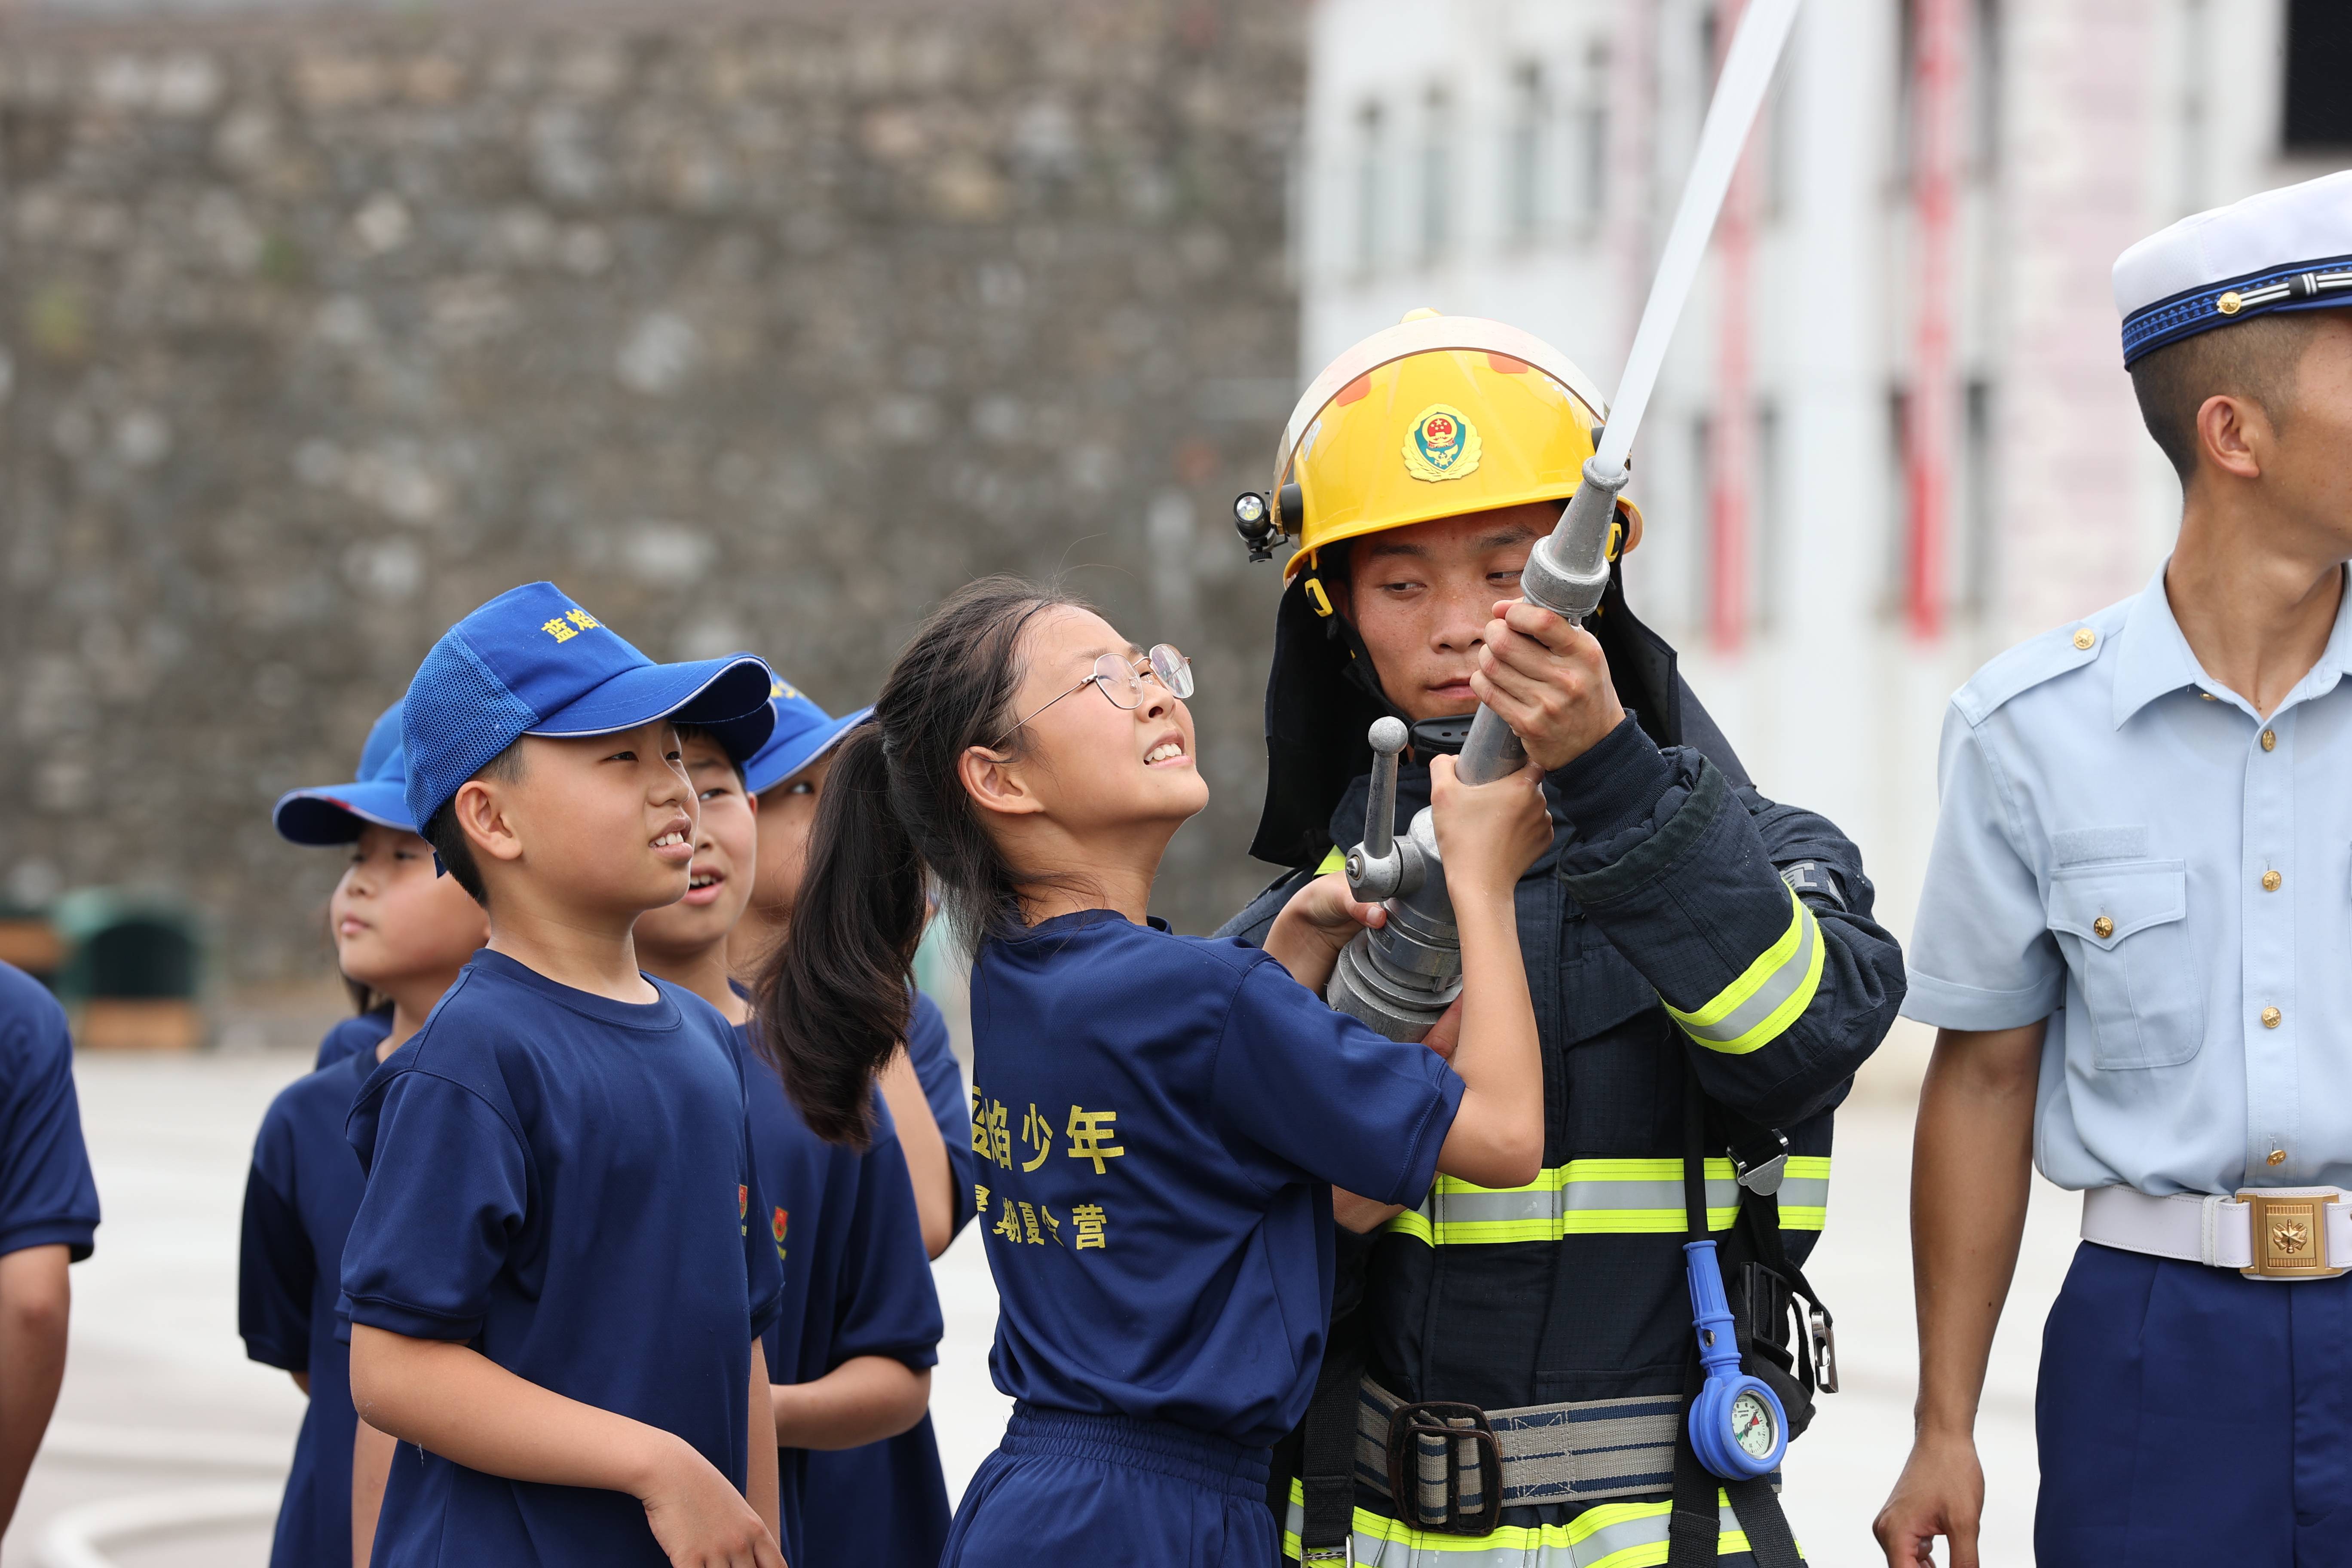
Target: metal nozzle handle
point(1388, 738)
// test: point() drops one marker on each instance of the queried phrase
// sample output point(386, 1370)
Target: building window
point(1984, 84)
point(1369, 183)
point(2318, 65)
point(1523, 154)
point(1894, 581)
point(1770, 538)
point(1591, 162)
point(1978, 515)
point(1438, 175)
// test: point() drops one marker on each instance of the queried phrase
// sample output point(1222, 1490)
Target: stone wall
point(755, 327)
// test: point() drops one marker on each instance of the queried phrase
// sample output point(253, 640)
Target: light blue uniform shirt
point(2109, 811)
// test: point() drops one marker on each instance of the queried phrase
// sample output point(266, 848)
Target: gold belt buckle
point(2290, 1236)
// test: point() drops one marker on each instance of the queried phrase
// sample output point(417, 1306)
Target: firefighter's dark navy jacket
point(1679, 917)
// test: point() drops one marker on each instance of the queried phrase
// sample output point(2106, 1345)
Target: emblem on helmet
point(1442, 445)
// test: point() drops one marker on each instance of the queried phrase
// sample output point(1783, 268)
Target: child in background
point(850, 1355)
point(1167, 1116)
point(553, 1286)
point(890, 1498)
point(370, 1017)
point(48, 1216)
point(401, 934)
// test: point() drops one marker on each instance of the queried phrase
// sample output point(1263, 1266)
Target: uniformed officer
point(2135, 940)
point(1706, 970)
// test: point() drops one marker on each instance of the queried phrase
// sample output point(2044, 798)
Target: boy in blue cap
point(891, 1498)
point(49, 1215)
point(401, 934)
point(371, 1018)
point(851, 1351)
point(553, 1288)
point(2132, 942)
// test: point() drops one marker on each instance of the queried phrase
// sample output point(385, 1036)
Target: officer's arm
point(1780, 986)
point(1972, 1167)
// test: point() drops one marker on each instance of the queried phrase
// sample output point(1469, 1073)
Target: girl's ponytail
point(893, 821)
point(833, 1002)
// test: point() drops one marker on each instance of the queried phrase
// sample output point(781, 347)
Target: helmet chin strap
point(1431, 737)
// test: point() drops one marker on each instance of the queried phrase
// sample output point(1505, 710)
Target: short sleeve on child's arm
point(276, 1268)
point(47, 1197)
point(1321, 1090)
point(447, 1187)
point(884, 1303)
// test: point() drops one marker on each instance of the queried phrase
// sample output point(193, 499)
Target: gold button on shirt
point(2270, 881)
point(2271, 1017)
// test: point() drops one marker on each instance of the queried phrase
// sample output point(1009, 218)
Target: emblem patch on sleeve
point(1442, 445)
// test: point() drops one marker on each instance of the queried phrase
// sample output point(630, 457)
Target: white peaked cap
point(2288, 250)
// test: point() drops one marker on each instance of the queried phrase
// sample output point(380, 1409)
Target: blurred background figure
point(322, 320)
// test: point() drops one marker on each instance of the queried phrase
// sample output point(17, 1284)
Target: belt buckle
point(2289, 1237)
point(1408, 1424)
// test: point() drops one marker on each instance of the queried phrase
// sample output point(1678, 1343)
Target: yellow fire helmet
point(1435, 416)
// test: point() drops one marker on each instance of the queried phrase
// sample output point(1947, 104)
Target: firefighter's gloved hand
point(1547, 680)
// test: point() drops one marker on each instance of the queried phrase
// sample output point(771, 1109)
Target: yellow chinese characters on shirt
point(1091, 1136)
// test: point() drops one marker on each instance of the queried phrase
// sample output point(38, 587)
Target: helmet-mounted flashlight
point(1261, 519)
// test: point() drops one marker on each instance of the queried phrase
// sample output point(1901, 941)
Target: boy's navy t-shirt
point(299, 1197)
point(856, 1281)
point(892, 1497)
point(1162, 1119)
point(565, 1182)
point(362, 1032)
point(46, 1196)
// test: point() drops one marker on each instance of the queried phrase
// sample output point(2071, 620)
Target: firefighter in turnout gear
point(1706, 976)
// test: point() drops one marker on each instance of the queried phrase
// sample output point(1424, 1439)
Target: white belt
point(2265, 1233)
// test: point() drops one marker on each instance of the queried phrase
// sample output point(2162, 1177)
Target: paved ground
point(159, 1397)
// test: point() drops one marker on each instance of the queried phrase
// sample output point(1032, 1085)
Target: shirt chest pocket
point(2124, 927)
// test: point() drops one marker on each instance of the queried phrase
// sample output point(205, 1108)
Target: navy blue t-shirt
point(549, 1173)
point(892, 1497)
point(1162, 1119)
point(362, 1032)
point(299, 1197)
point(47, 1198)
point(856, 1281)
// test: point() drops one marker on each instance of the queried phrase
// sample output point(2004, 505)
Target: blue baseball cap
point(803, 732)
point(335, 814)
point(532, 662)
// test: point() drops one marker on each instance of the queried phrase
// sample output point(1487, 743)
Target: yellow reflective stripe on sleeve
point(1602, 1197)
point(1805, 1192)
point(1772, 994)
point(1606, 1535)
point(1332, 862)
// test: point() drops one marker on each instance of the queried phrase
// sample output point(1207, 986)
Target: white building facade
point(1894, 433)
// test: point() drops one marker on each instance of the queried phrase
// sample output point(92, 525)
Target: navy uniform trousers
point(2189, 1416)
point(1111, 1492)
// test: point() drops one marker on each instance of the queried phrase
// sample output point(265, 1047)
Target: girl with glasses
point(1159, 1121)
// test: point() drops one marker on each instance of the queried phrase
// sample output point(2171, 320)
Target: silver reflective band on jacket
point(1598, 1197)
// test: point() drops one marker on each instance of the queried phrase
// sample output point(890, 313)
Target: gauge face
point(1752, 1427)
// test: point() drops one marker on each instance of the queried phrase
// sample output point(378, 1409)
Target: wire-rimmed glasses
point(1122, 680)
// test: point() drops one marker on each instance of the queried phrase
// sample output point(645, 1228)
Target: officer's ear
point(994, 782)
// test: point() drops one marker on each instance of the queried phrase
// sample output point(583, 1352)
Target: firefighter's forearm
point(1971, 1170)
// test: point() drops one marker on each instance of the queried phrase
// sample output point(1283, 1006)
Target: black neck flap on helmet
point(1323, 694)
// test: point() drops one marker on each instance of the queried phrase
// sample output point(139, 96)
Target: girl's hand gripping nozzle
point(1399, 978)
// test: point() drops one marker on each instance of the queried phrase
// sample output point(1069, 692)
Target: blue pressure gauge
point(1737, 1426)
